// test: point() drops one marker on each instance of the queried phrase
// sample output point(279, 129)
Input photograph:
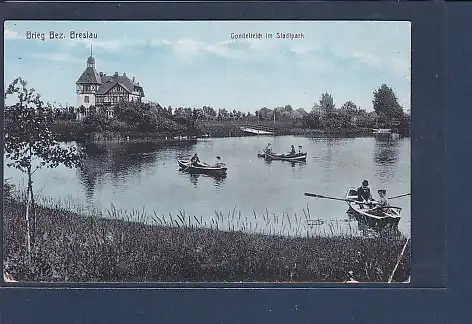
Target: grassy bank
point(74, 131)
point(73, 246)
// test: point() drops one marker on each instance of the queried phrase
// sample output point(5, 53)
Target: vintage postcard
point(207, 151)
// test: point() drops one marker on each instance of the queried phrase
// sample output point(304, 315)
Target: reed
point(85, 245)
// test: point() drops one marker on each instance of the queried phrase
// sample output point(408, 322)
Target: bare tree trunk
point(28, 233)
point(33, 210)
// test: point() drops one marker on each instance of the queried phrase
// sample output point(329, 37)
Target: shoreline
point(75, 247)
point(205, 131)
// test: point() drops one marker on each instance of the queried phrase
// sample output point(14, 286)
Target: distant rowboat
point(286, 157)
point(201, 167)
point(382, 130)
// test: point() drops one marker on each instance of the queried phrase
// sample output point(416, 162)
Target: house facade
point(104, 91)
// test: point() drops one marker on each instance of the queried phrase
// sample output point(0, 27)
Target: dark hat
point(218, 157)
point(365, 183)
point(382, 191)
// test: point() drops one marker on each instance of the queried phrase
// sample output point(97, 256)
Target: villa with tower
point(104, 91)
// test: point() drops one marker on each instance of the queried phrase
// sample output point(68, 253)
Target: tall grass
point(78, 244)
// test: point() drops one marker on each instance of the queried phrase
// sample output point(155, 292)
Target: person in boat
point(268, 148)
point(194, 160)
point(219, 163)
point(382, 203)
point(299, 149)
point(292, 150)
point(364, 194)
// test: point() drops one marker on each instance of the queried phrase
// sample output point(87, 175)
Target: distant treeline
point(132, 117)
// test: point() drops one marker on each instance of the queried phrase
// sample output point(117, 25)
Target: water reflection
point(119, 162)
point(132, 175)
point(370, 229)
point(293, 164)
point(218, 179)
point(386, 156)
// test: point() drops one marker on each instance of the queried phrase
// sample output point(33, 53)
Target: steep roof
point(109, 81)
point(90, 75)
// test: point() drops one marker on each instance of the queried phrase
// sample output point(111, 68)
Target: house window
point(86, 99)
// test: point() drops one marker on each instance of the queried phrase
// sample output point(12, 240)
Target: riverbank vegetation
point(80, 246)
point(152, 120)
point(54, 243)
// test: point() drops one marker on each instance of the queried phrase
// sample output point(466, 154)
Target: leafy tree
point(197, 114)
point(97, 121)
point(209, 112)
point(386, 105)
point(169, 110)
point(30, 145)
point(350, 108)
point(223, 114)
point(348, 114)
point(266, 114)
point(326, 104)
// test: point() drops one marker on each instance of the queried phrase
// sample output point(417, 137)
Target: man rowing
point(292, 150)
point(194, 160)
point(364, 195)
point(268, 148)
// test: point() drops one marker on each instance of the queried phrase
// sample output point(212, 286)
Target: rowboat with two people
point(194, 165)
point(372, 212)
point(375, 213)
point(292, 156)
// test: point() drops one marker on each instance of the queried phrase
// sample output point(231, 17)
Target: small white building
point(104, 91)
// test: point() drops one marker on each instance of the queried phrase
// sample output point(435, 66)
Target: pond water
point(133, 176)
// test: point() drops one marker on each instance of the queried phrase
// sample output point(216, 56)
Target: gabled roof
point(90, 75)
point(109, 81)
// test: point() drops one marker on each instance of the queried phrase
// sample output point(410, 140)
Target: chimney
point(101, 74)
point(116, 74)
point(124, 74)
point(133, 79)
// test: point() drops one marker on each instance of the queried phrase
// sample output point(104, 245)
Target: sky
point(198, 63)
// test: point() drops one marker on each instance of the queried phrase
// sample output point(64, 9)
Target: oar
point(407, 194)
point(333, 198)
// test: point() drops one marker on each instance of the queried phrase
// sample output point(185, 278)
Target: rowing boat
point(373, 216)
point(286, 157)
point(201, 167)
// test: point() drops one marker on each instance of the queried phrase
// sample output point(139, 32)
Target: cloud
point(8, 34)
point(323, 58)
point(184, 47)
point(58, 57)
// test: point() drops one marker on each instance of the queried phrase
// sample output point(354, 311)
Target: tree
point(96, 122)
point(209, 112)
point(348, 114)
point(386, 105)
point(169, 110)
point(349, 107)
point(326, 104)
point(30, 145)
point(266, 114)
